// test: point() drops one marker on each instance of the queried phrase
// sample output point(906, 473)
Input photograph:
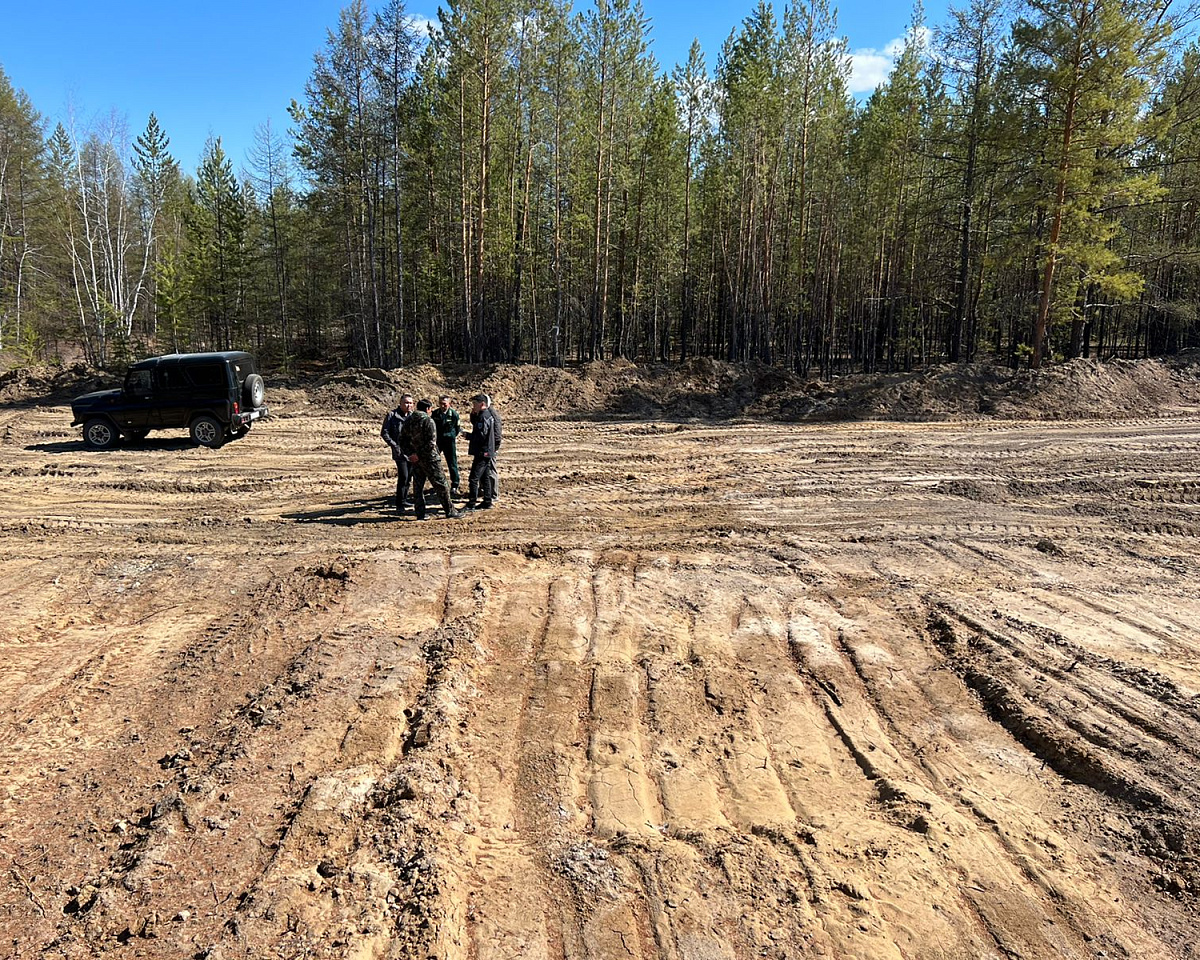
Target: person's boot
point(451, 513)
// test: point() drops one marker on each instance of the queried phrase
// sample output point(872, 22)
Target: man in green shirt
point(446, 418)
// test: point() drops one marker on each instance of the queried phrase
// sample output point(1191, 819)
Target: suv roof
point(213, 355)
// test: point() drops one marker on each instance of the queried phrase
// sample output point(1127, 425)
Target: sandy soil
point(697, 690)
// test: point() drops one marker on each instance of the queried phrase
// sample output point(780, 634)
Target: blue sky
point(223, 68)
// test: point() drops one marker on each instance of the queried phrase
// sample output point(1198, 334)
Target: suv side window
point(138, 383)
point(168, 377)
point(209, 376)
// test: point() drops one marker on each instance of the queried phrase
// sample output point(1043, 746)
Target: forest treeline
point(523, 182)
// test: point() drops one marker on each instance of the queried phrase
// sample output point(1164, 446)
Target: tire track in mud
point(399, 847)
point(154, 791)
point(362, 684)
point(1164, 637)
point(951, 789)
point(1128, 735)
point(278, 753)
point(753, 799)
point(696, 714)
point(505, 885)
point(96, 645)
point(1020, 664)
point(907, 811)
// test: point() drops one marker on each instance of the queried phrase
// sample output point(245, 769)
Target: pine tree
point(270, 178)
point(1087, 66)
point(156, 173)
point(692, 87)
point(969, 47)
point(21, 179)
point(392, 51)
point(217, 267)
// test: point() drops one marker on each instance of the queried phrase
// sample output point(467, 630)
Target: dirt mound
point(703, 389)
point(715, 390)
point(712, 389)
point(1088, 388)
point(1079, 389)
point(52, 385)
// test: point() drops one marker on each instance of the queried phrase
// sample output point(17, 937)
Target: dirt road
point(696, 691)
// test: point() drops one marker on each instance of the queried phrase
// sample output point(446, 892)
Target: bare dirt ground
point(700, 689)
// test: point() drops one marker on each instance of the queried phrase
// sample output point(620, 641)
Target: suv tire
point(254, 391)
point(206, 431)
point(100, 434)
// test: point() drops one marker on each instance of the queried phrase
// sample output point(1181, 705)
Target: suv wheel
point(207, 431)
point(100, 434)
point(254, 391)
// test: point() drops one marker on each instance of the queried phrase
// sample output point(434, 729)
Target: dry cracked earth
point(694, 691)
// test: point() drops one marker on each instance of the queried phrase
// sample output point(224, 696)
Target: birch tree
point(107, 206)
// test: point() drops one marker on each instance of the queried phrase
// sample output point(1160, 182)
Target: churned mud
point(699, 689)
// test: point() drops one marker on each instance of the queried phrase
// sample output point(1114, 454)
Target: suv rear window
point(242, 369)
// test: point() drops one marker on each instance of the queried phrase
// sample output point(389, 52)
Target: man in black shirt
point(483, 445)
point(393, 423)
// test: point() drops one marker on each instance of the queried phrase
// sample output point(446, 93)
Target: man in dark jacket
point(446, 418)
point(483, 446)
point(393, 424)
point(418, 436)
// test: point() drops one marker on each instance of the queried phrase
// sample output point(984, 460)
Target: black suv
point(216, 396)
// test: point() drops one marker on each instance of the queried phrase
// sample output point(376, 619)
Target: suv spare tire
point(254, 391)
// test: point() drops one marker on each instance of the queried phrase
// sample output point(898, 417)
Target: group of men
point(420, 437)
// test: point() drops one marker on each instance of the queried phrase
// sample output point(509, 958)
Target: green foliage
point(528, 184)
point(22, 178)
point(28, 346)
point(1086, 68)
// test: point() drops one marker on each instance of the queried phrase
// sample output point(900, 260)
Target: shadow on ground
point(350, 513)
point(150, 443)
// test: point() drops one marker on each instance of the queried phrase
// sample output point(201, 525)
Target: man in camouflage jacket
point(418, 437)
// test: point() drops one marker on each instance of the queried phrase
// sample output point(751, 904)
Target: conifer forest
point(523, 182)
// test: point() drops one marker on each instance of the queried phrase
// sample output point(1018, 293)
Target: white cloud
point(870, 67)
point(422, 24)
